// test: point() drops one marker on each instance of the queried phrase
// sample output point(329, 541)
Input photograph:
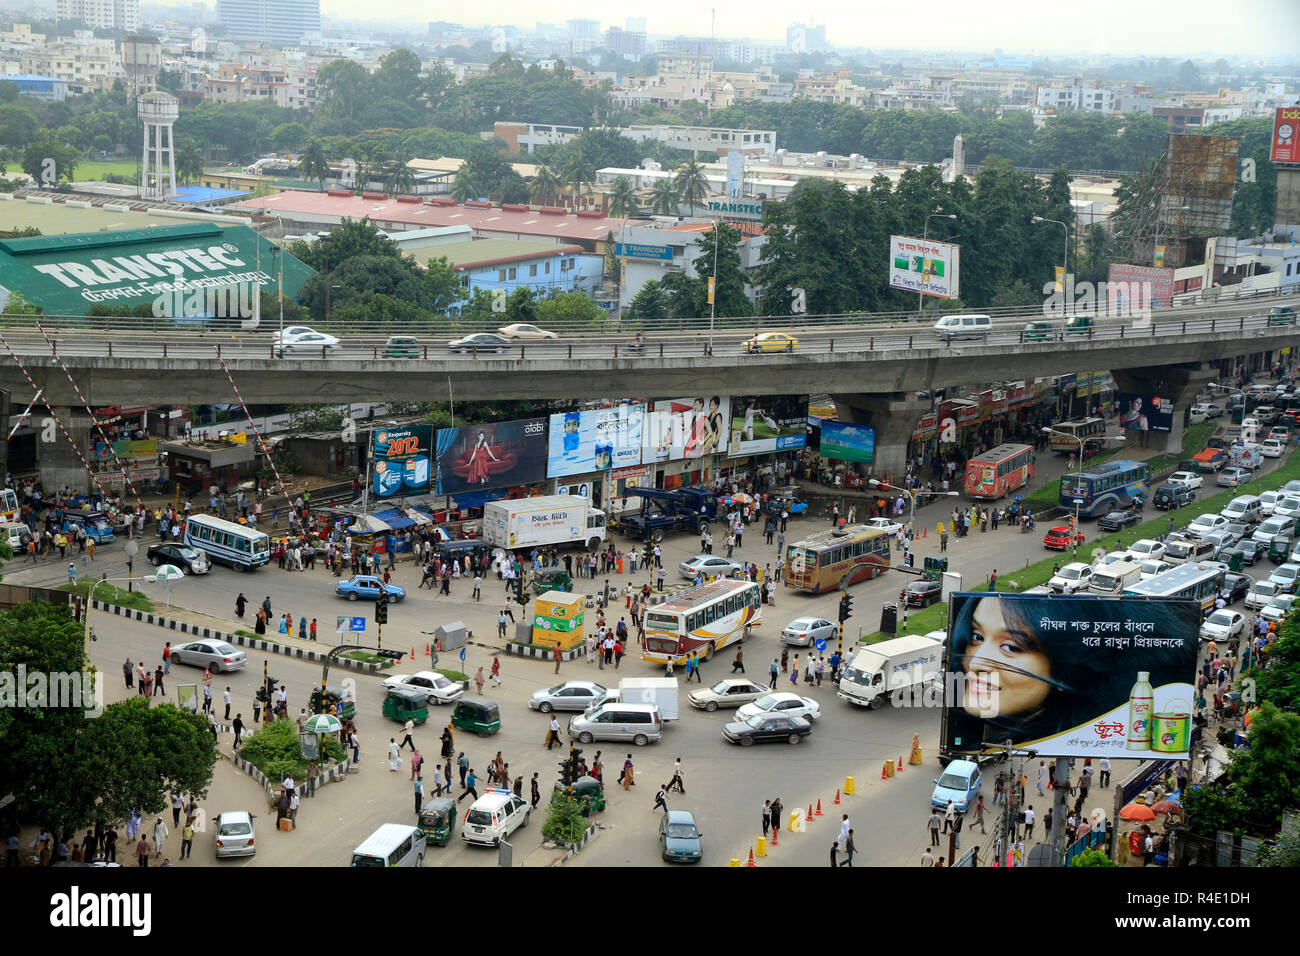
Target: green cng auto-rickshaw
point(1234, 558)
point(590, 792)
point(551, 579)
point(406, 703)
point(436, 818)
point(478, 714)
point(1039, 331)
point(1078, 325)
point(1279, 549)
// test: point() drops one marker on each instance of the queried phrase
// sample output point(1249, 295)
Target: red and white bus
point(702, 619)
point(999, 471)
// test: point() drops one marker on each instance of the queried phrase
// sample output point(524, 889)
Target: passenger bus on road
point(999, 471)
point(702, 619)
point(1107, 487)
point(1090, 430)
point(237, 545)
point(834, 559)
point(1201, 582)
point(8, 505)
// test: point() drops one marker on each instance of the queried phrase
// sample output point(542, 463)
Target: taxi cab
point(493, 817)
point(771, 342)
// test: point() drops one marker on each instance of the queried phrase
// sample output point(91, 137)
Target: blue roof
point(31, 78)
point(202, 194)
point(395, 518)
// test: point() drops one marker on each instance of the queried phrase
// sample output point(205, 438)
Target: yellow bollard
point(917, 756)
point(848, 786)
point(735, 861)
point(794, 821)
point(760, 849)
point(889, 764)
point(938, 529)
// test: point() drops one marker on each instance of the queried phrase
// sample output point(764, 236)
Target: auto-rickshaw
point(1234, 558)
point(345, 706)
point(935, 565)
point(1279, 549)
point(477, 714)
point(551, 579)
point(436, 818)
point(406, 703)
point(1078, 324)
point(591, 793)
point(1039, 331)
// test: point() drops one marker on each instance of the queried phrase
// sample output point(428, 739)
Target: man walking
point(849, 850)
point(773, 670)
point(407, 730)
point(470, 781)
point(933, 824)
point(553, 734)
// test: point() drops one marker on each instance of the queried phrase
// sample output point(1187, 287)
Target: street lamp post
point(1236, 391)
point(925, 234)
point(1065, 252)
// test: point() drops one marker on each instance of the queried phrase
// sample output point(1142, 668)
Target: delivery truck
point(899, 664)
point(543, 522)
point(660, 691)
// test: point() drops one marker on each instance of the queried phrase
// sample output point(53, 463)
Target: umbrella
point(167, 573)
point(743, 498)
point(1137, 811)
point(1175, 797)
point(1167, 806)
point(323, 724)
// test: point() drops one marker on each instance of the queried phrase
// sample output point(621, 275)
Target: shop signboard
point(403, 461)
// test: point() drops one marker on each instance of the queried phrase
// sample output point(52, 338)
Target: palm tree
point(578, 172)
point(691, 184)
point(464, 187)
point(400, 178)
point(312, 163)
point(189, 161)
point(545, 184)
point(622, 198)
point(663, 197)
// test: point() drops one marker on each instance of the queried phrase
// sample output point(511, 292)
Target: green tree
point(544, 185)
point(650, 302)
point(521, 307)
point(622, 202)
point(342, 89)
point(663, 197)
point(1137, 200)
point(463, 187)
point(692, 187)
point(571, 310)
point(1279, 682)
point(399, 77)
point(189, 161)
point(401, 180)
point(1093, 858)
point(49, 157)
point(442, 285)
point(729, 287)
point(578, 173)
point(287, 137)
point(18, 125)
point(353, 237)
point(312, 163)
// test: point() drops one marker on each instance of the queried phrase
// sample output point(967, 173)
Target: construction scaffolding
point(1195, 199)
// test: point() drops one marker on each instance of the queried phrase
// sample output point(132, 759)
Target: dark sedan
point(1251, 550)
point(1118, 520)
point(764, 727)
point(189, 560)
point(923, 593)
point(1235, 587)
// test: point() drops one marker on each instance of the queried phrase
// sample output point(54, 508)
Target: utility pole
point(1060, 808)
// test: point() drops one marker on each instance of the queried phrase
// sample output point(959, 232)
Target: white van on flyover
point(952, 327)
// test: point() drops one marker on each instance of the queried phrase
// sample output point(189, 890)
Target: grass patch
point(457, 676)
point(276, 752)
point(99, 168)
point(111, 593)
point(934, 617)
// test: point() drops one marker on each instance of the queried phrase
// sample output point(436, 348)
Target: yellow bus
point(832, 560)
point(705, 618)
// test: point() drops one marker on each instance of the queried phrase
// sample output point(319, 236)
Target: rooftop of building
point(483, 253)
point(58, 218)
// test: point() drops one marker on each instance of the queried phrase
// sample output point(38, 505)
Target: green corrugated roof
point(93, 240)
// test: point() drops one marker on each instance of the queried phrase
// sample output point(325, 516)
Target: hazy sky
point(1202, 28)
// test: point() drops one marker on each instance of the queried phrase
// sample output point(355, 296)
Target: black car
point(1235, 587)
point(763, 727)
point(1118, 520)
point(189, 560)
point(1173, 496)
point(1251, 550)
point(923, 593)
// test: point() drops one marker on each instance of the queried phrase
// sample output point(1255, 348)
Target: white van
point(393, 844)
point(1114, 578)
point(1244, 508)
point(493, 817)
point(963, 327)
point(16, 535)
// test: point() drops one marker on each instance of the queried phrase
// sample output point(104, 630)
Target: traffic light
point(846, 607)
point(261, 695)
point(381, 609)
point(521, 593)
point(392, 655)
point(574, 773)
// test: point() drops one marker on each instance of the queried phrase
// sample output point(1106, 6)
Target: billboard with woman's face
point(1071, 676)
point(1154, 413)
point(686, 428)
point(500, 455)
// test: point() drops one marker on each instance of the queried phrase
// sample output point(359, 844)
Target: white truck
point(660, 691)
point(899, 664)
point(543, 521)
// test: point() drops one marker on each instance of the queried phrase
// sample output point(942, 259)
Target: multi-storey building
point(270, 21)
point(101, 14)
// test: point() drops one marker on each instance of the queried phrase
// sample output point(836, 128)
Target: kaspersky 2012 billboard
point(1071, 676)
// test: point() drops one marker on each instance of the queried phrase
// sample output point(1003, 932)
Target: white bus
point(234, 544)
point(1201, 582)
point(702, 619)
point(1089, 429)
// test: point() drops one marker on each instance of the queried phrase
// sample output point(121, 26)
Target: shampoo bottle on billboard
point(1140, 703)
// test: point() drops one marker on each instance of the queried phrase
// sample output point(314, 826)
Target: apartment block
point(101, 14)
point(270, 21)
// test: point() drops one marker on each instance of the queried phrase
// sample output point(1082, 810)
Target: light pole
point(925, 234)
point(90, 597)
point(1065, 251)
point(886, 486)
point(1234, 390)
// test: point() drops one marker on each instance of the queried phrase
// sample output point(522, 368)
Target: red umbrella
point(1167, 806)
point(1138, 811)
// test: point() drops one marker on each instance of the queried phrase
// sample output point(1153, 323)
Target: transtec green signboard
point(161, 266)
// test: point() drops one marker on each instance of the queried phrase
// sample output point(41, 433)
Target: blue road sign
point(821, 643)
point(358, 624)
point(1078, 501)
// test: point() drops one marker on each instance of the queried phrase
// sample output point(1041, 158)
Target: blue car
point(960, 784)
point(369, 587)
point(679, 838)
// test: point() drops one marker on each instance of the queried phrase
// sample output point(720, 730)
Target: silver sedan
point(571, 695)
point(210, 653)
point(729, 692)
point(708, 566)
point(235, 834)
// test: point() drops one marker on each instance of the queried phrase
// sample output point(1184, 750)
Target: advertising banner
point(638, 250)
point(142, 448)
point(1146, 413)
point(1131, 289)
point(1071, 676)
point(479, 457)
point(923, 265)
point(1286, 123)
point(686, 428)
point(403, 461)
point(845, 442)
point(597, 439)
point(763, 424)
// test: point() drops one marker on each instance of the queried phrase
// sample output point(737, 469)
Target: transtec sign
point(66, 274)
point(925, 266)
point(1286, 124)
point(747, 209)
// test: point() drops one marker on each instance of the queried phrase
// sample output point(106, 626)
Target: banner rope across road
point(262, 446)
point(93, 421)
point(46, 402)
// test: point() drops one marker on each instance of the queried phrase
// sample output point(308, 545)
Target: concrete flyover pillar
point(894, 417)
point(1178, 383)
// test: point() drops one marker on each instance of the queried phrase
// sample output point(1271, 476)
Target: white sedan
point(439, 688)
point(789, 705)
point(1188, 479)
point(1147, 549)
point(1223, 625)
point(884, 524)
point(522, 330)
point(708, 566)
point(303, 339)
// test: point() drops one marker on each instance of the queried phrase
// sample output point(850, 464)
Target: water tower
point(141, 61)
point(158, 112)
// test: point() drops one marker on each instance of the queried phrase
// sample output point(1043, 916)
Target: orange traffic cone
point(751, 858)
point(428, 650)
point(925, 532)
point(884, 770)
point(413, 653)
point(775, 842)
point(819, 808)
point(900, 764)
point(808, 818)
point(836, 801)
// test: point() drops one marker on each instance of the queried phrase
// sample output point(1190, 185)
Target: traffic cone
point(808, 818)
point(850, 785)
point(925, 532)
point(751, 858)
point(428, 650)
point(775, 841)
point(819, 807)
point(836, 801)
point(413, 654)
point(900, 763)
point(884, 771)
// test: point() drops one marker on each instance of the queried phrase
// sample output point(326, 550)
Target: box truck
point(543, 522)
point(899, 664)
point(660, 691)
